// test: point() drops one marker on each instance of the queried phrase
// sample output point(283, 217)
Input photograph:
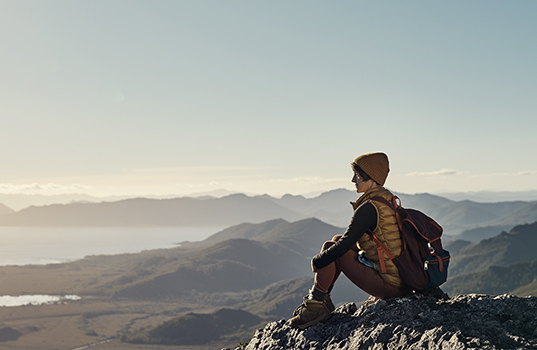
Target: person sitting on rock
point(354, 253)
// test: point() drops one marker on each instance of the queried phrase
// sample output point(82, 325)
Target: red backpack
point(423, 263)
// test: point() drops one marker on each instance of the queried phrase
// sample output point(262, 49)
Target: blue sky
point(174, 97)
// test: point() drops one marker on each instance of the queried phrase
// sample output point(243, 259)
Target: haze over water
point(46, 245)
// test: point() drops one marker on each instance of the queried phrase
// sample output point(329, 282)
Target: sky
point(177, 97)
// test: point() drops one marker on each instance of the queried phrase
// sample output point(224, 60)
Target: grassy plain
point(95, 321)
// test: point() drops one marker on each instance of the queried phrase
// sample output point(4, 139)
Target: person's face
point(360, 184)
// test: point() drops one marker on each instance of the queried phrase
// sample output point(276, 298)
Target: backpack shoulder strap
point(381, 249)
point(385, 201)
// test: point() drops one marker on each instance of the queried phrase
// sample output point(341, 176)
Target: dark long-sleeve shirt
point(363, 219)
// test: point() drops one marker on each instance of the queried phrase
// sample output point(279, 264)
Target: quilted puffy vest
point(387, 231)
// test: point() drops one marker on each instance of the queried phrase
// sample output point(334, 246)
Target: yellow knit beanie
point(375, 165)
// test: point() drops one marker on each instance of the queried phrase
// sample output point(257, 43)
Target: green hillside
point(479, 233)
point(304, 237)
point(230, 266)
point(494, 280)
point(524, 215)
point(504, 249)
point(245, 230)
point(197, 329)
point(527, 290)
point(280, 299)
point(455, 246)
point(278, 251)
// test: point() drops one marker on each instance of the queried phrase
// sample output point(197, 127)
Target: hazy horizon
point(17, 201)
point(135, 98)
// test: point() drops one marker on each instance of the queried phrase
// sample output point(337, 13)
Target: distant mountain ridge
point(491, 196)
point(504, 249)
point(20, 201)
point(228, 210)
point(469, 220)
point(4, 209)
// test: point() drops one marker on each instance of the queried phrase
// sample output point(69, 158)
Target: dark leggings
point(366, 278)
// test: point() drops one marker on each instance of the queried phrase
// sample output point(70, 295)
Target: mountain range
point(465, 219)
point(5, 209)
point(264, 270)
point(242, 257)
point(18, 201)
point(252, 256)
point(516, 246)
point(224, 211)
point(278, 252)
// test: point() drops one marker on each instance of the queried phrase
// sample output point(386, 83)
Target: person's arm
point(363, 219)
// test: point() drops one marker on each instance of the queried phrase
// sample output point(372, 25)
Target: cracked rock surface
point(473, 321)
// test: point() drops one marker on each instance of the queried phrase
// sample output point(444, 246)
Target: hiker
point(354, 253)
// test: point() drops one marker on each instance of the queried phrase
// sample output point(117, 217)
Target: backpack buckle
point(431, 249)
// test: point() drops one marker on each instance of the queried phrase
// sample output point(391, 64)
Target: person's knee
point(336, 238)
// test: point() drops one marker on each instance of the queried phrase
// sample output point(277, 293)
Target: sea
point(47, 245)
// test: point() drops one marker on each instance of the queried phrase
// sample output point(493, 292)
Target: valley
point(253, 272)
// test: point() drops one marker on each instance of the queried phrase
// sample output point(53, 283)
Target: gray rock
point(473, 321)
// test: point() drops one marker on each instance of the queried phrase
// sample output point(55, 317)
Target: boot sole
point(314, 322)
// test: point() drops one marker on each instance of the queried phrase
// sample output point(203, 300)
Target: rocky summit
point(474, 321)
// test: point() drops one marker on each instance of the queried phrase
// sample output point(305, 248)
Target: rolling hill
point(233, 265)
point(242, 257)
point(504, 249)
point(494, 280)
point(506, 263)
point(195, 329)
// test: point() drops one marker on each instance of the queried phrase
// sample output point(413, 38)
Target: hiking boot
point(436, 293)
point(310, 313)
point(328, 301)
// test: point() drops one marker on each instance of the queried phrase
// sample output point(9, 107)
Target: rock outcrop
point(474, 321)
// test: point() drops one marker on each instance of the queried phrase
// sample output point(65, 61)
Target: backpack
point(423, 263)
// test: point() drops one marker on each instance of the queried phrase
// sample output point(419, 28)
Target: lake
point(45, 245)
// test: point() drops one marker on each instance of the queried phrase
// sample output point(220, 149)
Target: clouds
point(313, 180)
point(452, 172)
point(43, 188)
point(450, 180)
point(442, 172)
